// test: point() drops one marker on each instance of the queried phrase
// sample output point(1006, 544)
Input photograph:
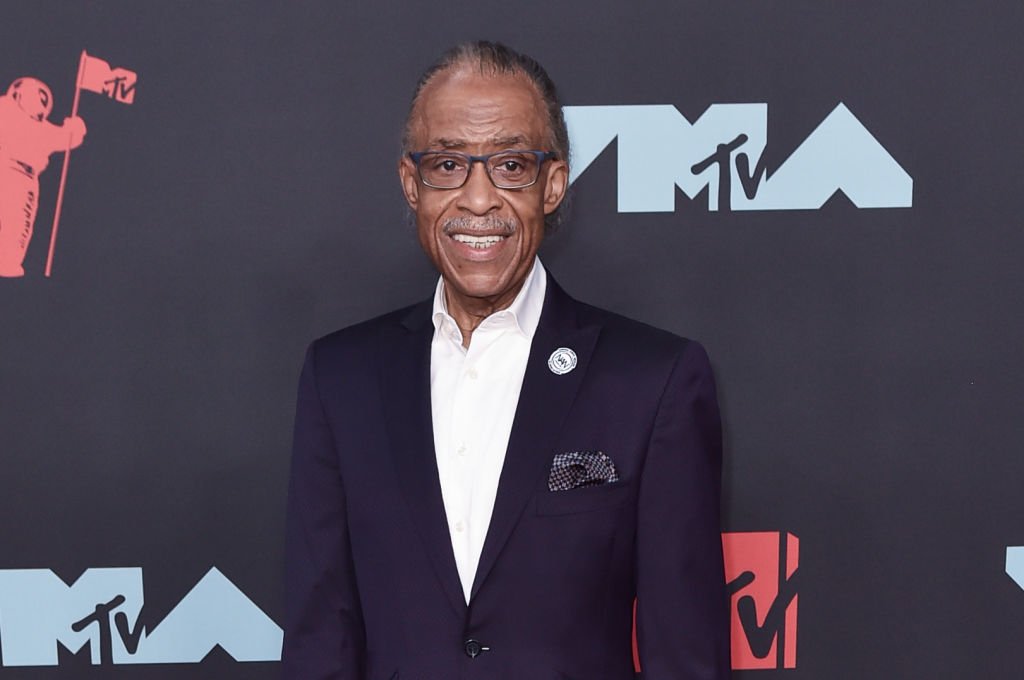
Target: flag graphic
point(94, 75)
point(116, 83)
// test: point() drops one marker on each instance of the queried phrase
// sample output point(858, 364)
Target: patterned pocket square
point(576, 469)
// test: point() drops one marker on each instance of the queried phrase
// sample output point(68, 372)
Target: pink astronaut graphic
point(28, 139)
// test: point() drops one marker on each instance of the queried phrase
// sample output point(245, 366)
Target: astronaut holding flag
point(27, 139)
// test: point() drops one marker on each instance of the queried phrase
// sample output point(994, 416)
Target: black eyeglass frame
point(541, 156)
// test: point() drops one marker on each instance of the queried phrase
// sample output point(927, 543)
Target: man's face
point(464, 111)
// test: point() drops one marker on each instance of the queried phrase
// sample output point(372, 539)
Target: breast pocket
point(585, 499)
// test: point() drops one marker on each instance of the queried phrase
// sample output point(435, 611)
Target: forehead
point(464, 108)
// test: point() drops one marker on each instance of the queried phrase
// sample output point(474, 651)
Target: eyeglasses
point(506, 169)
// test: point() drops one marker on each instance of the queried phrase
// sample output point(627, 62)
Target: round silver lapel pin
point(562, 360)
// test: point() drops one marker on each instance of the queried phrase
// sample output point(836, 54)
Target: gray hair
point(494, 58)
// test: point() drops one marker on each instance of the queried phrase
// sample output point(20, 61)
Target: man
point(483, 483)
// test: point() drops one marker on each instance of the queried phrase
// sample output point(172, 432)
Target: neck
point(469, 311)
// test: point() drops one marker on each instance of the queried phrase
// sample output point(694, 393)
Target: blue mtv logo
point(38, 611)
point(721, 152)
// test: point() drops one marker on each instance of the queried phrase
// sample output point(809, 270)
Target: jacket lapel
point(405, 367)
point(544, 402)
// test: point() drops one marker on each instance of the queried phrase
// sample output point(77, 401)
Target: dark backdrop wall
point(869, 358)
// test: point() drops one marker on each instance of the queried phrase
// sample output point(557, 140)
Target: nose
point(478, 195)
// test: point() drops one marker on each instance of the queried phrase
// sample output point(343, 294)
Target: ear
point(410, 181)
point(556, 185)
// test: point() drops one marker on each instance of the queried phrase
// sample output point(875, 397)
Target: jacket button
point(473, 648)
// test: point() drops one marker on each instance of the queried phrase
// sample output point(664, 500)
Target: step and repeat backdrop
point(826, 194)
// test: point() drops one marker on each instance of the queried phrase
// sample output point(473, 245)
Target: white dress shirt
point(473, 397)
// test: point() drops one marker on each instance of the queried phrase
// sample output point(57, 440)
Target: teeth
point(477, 241)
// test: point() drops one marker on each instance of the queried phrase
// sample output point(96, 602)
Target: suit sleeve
point(682, 607)
point(324, 635)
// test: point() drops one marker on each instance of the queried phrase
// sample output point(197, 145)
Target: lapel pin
point(562, 360)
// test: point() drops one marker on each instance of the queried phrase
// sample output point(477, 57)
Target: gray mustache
point(490, 224)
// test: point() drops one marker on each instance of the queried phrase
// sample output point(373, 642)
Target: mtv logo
point(660, 151)
point(101, 609)
point(760, 570)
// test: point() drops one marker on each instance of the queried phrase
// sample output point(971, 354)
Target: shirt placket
point(461, 458)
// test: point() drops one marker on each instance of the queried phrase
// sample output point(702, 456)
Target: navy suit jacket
point(372, 588)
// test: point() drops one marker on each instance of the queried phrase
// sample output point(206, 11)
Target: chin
point(480, 285)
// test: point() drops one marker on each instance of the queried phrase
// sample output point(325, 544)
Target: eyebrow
point(510, 141)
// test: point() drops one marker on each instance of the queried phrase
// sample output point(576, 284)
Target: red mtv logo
point(760, 569)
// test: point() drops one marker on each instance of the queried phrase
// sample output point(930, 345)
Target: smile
point(479, 242)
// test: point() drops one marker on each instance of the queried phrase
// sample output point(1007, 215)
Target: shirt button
point(462, 450)
point(473, 375)
point(460, 527)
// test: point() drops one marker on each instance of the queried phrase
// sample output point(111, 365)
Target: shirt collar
point(524, 312)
